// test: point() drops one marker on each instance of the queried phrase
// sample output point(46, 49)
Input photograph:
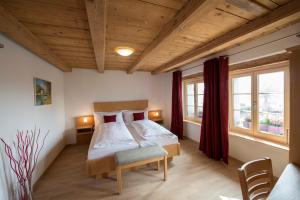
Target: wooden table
point(288, 185)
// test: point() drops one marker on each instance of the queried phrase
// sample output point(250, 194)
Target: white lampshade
point(124, 51)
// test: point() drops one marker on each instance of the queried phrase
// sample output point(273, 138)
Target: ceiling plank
point(192, 9)
point(15, 30)
point(97, 17)
point(281, 16)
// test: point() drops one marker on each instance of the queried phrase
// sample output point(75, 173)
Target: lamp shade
point(155, 114)
point(85, 121)
point(124, 51)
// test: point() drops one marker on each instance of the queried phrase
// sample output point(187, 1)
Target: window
point(259, 103)
point(193, 99)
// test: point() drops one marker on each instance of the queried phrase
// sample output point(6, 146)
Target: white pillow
point(98, 117)
point(128, 115)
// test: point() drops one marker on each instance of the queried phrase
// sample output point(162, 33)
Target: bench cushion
point(139, 154)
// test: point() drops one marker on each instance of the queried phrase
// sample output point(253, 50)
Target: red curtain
point(177, 118)
point(214, 129)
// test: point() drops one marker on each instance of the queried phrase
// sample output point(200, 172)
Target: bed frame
point(106, 165)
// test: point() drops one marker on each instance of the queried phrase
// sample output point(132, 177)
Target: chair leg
point(165, 168)
point(119, 179)
point(158, 165)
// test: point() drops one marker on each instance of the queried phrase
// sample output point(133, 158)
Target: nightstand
point(84, 129)
point(159, 121)
point(156, 116)
point(84, 134)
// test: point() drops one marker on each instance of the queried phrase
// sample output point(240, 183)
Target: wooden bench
point(138, 157)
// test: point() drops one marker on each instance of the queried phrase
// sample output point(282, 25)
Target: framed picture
point(42, 92)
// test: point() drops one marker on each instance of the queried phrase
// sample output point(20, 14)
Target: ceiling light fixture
point(124, 51)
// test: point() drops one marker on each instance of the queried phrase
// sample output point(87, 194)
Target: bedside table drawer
point(84, 137)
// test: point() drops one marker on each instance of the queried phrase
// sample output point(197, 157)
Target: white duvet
point(148, 128)
point(112, 134)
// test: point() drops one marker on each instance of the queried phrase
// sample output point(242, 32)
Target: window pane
point(200, 87)
point(242, 85)
point(271, 123)
point(190, 89)
point(190, 100)
point(200, 100)
point(271, 103)
point(190, 111)
point(242, 102)
point(200, 112)
point(271, 82)
point(242, 119)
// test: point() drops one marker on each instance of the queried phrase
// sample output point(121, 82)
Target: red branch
point(24, 161)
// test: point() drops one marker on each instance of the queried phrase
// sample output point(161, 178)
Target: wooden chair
point(256, 179)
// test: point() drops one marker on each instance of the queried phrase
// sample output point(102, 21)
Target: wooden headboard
point(120, 105)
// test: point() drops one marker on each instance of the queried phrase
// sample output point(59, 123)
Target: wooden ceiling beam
point(97, 17)
point(259, 62)
point(277, 58)
point(281, 16)
point(12, 28)
point(249, 5)
point(191, 10)
point(260, 4)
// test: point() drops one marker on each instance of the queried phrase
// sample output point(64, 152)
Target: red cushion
point(109, 118)
point(138, 116)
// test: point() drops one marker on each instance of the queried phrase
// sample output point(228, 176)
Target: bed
point(101, 161)
point(110, 149)
point(165, 139)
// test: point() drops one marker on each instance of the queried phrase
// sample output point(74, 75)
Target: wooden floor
point(191, 176)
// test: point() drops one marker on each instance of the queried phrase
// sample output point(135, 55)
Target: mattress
point(162, 140)
point(98, 153)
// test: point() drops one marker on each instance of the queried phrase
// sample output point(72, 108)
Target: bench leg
point(165, 168)
point(158, 165)
point(105, 175)
point(170, 159)
point(119, 179)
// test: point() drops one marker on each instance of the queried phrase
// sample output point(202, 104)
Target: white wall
point(84, 87)
point(246, 150)
point(192, 131)
point(17, 111)
point(240, 148)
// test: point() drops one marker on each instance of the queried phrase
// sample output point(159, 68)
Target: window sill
point(192, 122)
point(247, 137)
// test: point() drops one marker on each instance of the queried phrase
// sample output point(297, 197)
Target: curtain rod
point(297, 34)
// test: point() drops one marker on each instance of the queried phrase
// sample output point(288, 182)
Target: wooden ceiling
point(166, 34)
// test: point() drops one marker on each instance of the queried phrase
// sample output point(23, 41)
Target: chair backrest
point(256, 179)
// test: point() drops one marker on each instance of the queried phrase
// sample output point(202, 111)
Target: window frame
point(254, 130)
point(186, 82)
